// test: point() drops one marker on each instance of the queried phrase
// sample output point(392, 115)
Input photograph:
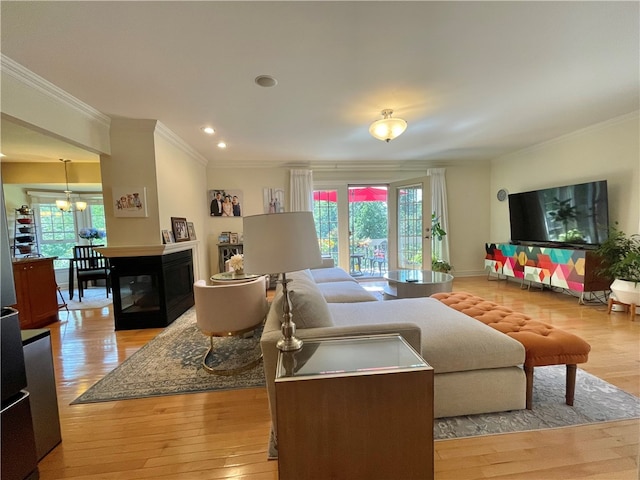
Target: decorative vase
point(626, 291)
point(239, 271)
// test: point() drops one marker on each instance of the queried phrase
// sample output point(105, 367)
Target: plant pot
point(626, 292)
point(24, 221)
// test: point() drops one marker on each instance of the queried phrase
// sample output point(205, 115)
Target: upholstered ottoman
point(544, 344)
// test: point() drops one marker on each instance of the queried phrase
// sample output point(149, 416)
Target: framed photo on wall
point(273, 199)
point(224, 202)
point(129, 201)
point(180, 229)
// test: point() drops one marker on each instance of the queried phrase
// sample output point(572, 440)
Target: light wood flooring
point(224, 434)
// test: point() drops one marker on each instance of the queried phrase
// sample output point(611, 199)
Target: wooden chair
point(90, 265)
point(230, 310)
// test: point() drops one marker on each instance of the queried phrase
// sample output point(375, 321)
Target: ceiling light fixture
point(65, 205)
point(208, 130)
point(222, 145)
point(387, 128)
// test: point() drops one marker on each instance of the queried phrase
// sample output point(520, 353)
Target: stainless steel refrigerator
point(18, 450)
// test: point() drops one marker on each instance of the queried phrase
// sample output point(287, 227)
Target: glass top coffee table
point(416, 283)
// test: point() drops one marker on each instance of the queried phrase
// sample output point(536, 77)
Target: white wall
point(131, 164)
point(252, 183)
point(606, 151)
point(181, 181)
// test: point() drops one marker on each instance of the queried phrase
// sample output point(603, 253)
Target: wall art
point(225, 202)
point(130, 201)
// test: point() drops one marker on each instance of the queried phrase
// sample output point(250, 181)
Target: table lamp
point(281, 243)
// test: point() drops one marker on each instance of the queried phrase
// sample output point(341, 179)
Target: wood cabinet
point(571, 269)
point(36, 291)
point(225, 252)
point(356, 408)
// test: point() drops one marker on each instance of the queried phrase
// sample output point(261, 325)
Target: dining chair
point(90, 265)
point(230, 310)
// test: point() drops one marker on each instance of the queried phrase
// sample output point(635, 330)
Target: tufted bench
point(544, 344)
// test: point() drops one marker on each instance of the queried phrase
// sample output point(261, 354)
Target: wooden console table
point(356, 408)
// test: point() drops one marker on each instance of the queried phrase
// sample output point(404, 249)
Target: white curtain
point(439, 207)
point(301, 191)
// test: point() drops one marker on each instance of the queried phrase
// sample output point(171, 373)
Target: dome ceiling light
point(387, 128)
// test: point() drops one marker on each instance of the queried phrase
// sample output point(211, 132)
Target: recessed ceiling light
point(208, 130)
point(266, 81)
point(222, 145)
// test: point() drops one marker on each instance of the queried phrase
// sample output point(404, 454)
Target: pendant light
point(387, 128)
point(65, 205)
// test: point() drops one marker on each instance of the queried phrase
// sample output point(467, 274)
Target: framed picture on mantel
point(180, 229)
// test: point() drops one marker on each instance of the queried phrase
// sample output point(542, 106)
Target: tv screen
point(572, 214)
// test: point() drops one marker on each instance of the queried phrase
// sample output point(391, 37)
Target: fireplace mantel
point(146, 250)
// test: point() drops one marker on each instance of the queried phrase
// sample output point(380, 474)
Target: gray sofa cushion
point(335, 274)
point(308, 305)
point(345, 292)
point(451, 340)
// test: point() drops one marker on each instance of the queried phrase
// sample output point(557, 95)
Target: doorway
point(368, 230)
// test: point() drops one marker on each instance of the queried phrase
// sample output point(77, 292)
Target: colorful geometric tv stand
point(556, 267)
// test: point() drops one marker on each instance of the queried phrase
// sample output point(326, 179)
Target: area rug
point(170, 364)
point(595, 401)
point(93, 297)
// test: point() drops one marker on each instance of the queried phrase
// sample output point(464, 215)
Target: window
point(58, 231)
point(325, 214)
point(410, 227)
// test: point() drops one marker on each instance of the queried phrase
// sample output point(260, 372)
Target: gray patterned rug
point(595, 401)
point(170, 364)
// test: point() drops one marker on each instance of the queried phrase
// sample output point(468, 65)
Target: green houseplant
point(620, 255)
point(437, 233)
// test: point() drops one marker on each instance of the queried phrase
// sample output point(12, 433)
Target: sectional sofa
point(476, 368)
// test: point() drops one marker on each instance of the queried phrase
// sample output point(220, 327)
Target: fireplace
point(151, 291)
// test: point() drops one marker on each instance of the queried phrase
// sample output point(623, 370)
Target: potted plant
point(437, 233)
point(620, 255)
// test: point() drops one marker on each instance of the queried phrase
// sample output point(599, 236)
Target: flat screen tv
point(576, 215)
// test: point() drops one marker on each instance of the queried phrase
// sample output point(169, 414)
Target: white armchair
point(230, 310)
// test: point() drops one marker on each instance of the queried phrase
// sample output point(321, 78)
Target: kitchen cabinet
point(36, 291)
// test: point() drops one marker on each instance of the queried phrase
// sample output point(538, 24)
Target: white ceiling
point(474, 80)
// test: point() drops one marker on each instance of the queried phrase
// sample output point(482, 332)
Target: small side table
point(230, 277)
point(356, 408)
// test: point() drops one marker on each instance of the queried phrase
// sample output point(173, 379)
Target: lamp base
point(289, 344)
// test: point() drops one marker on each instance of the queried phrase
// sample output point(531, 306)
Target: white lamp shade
point(280, 243)
point(63, 205)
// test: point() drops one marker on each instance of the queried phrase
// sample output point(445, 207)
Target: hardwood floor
point(224, 434)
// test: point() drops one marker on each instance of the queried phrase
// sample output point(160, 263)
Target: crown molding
point(577, 133)
point(36, 82)
point(177, 142)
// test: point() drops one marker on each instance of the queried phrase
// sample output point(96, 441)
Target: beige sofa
point(477, 369)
